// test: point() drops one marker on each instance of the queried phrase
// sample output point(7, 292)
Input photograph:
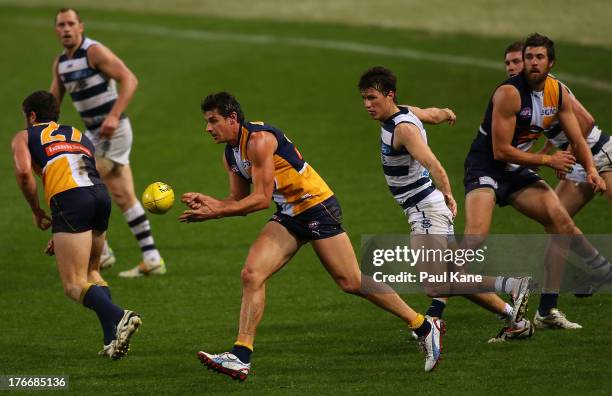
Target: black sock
point(547, 302)
point(436, 309)
point(423, 330)
point(243, 353)
point(108, 313)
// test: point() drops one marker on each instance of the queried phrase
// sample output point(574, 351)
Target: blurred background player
point(308, 212)
point(498, 165)
point(80, 207)
point(408, 163)
point(573, 190)
point(88, 71)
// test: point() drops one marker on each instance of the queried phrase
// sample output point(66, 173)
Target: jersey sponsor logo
point(235, 169)
point(525, 112)
point(549, 111)
point(64, 147)
point(487, 181)
point(425, 173)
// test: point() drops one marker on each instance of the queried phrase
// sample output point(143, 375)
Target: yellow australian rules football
point(158, 198)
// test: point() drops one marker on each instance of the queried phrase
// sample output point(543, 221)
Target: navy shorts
point(322, 221)
point(81, 209)
point(504, 183)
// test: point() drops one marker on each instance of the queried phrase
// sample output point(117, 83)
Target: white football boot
point(226, 363)
point(554, 320)
point(431, 344)
point(127, 326)
point(520, 299)
point(145, 268)
point(510, 333)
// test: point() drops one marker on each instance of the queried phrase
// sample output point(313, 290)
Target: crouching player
point(80, 208)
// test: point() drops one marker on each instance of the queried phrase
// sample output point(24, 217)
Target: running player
point(573, 190)
point(261, 155)
point(80, 207)
point(497, 168)
point(88, 71)
point(408, 163)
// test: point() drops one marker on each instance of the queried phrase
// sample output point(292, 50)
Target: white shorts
point(117, 148)
point(602, 160)
point(430, 217)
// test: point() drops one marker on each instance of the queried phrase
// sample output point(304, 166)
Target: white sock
point(141, 229)
point(504, 285)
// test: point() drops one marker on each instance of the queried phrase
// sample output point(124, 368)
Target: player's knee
point(72, 290)
point(560, 222)
point(349, 285)
point(251, 279)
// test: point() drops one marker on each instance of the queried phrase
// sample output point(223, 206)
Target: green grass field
point(300, 77)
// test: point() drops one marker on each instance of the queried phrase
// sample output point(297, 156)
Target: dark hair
point(224, 103)
point(538, 40)
point(380, 78)
point(517, 46)
point(43, 104)
point(68, 9)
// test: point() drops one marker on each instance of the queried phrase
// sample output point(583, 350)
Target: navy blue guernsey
point(536, 116)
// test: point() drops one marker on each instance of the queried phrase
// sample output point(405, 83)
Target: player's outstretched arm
point(260, 150)
point(25, 179)
point(433, 115)
point(409, 137)
point(57, 88)
point(579, 145)
point(506, 103)
point(108, 63)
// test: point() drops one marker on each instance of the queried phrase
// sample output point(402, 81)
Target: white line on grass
point(347, 46)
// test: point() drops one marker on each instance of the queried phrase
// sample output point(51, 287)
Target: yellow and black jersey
point(297, 186)
point(64, 155)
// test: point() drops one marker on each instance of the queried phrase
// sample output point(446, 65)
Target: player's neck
point(391, 110)
point(70, 51)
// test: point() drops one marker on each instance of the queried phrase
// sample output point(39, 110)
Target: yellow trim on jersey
point(550, 100)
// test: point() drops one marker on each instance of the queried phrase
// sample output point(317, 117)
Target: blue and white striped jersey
point(408, 180)
point(93, 94)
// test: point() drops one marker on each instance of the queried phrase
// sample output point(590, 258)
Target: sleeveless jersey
point(93, 93)
point(64, 155)
point(408, 180)
point(537, 115)
point(596, 138)
point(297, 186)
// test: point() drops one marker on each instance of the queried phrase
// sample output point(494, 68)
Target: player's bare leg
point(540, 203)
point(574, 196)
point(272, 249)
point(119, 181)
point(479, 206)
point(269, 253)
point(72, 255)
point(337, 255)
point(607, 176)
point(93, 275)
